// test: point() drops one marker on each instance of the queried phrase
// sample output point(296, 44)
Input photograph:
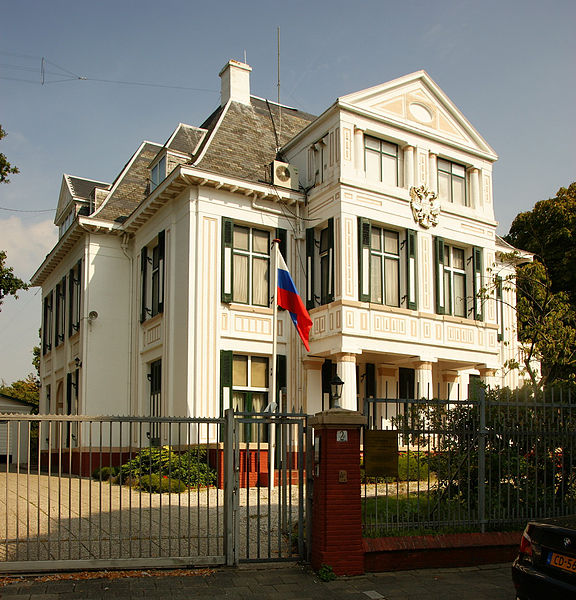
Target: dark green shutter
point(225, 380)
point(79, 294)
point(364, 232)
point(439, 268)
point(330, 295)
point(70, 301)
point(477, 283)
point(143, 277)
point(500, 307)
point(310, 255)
point(58, 317)
point(281, 380)
point(227, 243)
point(282, 235)
point(161, 268)
point(411, 270)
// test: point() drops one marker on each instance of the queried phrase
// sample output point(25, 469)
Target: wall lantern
point(335, 391)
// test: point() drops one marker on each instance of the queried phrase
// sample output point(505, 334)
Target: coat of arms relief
point(425, 206)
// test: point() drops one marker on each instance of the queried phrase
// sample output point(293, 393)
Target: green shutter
point(143, 277)
point(477, 283)
point(70, 301)
point(310, 256)
point(439, 268)
point(411, 270)
point(161, 268)
point(227, 242)
point(282, 235)
point(330, 295)
point(500, 307)
point(364, 232)
point(225, 380)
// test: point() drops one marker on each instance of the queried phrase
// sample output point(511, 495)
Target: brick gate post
point(336, 506)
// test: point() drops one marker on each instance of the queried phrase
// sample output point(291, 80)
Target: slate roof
point(82, 188)
point(185, 139)
point(132, 185)
point(244, 143)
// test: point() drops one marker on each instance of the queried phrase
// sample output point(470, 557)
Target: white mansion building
point(156, 298)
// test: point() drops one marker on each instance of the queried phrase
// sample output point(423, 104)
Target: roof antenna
point(245, 58)
point(279, 107)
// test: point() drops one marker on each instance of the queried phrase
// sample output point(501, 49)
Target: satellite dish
point(92, 315)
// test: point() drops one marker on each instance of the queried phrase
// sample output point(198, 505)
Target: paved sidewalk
point(278, 582)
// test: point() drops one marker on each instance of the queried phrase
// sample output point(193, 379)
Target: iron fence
point(485, 463)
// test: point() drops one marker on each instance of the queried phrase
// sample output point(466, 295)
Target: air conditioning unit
point(284, 175)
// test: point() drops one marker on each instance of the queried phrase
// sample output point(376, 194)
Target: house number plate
point(342, 435)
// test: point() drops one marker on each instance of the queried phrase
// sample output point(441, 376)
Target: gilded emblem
point(425, 206)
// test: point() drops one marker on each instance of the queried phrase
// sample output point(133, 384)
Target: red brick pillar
point(336, 508)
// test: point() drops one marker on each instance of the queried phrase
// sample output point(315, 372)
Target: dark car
point(546, 564)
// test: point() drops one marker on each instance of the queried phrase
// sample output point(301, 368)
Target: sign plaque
point(381, 453)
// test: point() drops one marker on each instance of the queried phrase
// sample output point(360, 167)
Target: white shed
point(13, 434)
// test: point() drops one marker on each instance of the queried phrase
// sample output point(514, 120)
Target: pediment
point(64, 200)
point(416, 101)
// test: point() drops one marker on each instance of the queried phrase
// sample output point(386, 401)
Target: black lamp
point(336, 391)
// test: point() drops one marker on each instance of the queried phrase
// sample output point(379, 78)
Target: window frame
point(47, 323)
point(384, 257)
point(152, 277)
point(451, 176)
point(74, 298)
point(158, 173)
point(452, 272)
point(381, 152)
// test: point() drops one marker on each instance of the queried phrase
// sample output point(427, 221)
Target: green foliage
point(161, 484)
point(326, 573)
point(5, 167)
point(27, 390)
point(189, 467)
point(10, 285)
point(105, 473)
point(412, 466)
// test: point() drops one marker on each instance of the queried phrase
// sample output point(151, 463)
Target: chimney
point(235, 84)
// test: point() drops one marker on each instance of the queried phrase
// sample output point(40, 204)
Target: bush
point(412, 466)
point(189, 467)
point(161, 484)
point(105, 473)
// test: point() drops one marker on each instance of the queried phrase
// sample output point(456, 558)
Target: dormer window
point(158, 173)
point(65, 225)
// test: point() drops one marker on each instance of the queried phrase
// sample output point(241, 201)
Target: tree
point(549, 231)
point(27, 390)
point(10, 285)
point(5, 167)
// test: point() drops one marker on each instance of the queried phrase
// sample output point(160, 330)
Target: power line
point(27, 211)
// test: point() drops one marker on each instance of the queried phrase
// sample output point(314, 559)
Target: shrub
point(412, 466)
point(158, 484)
point(105, 473)
point(326, 573)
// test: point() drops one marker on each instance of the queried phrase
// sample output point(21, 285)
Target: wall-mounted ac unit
point(284, 175)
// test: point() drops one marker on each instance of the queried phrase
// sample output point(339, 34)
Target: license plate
point(566, 563)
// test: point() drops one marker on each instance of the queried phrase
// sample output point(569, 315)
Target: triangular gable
point(68, 194)
point(416, 101)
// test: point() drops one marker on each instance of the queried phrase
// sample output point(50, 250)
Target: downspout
point(124, 246)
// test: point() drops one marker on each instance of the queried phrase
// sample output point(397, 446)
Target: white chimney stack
point(235, 84)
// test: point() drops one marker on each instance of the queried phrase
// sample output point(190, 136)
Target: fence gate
point(269, 495)
point(128, 492)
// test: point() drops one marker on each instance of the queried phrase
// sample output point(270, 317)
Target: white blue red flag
point(289, 299)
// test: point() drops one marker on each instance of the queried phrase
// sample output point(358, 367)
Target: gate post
point(336, 513)
point(230, 490)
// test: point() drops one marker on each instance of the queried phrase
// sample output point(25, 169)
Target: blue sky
point(509, 65)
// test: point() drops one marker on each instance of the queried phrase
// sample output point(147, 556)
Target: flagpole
point(273, 401)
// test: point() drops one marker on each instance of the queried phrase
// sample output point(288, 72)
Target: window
point(47, 324)
point(381, 160)
point(152, 278)
point(500, 307)
point(246, 263)
point(67, 222)
point(317, 155)
point(320, 263)
point(158, 174)
point(155, 408)
point(74, 298)
point(452, 182)
point(387, 265)
point(60, 311)
point(458, 278)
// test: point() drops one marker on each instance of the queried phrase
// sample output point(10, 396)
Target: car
point(545, 567)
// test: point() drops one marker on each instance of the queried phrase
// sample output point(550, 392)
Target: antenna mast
point(279, 108)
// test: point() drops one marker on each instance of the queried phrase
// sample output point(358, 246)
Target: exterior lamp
point(336, 391)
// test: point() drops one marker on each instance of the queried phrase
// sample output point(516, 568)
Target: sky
point(508, 65)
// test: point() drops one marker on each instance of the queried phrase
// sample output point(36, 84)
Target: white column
point(488, 376)
point(474, 187)
point(359, 150)
point(313, 385)
point(346, 370)
point(424, 383)
point(433, 172)
point(451, 389)
point(408, 166)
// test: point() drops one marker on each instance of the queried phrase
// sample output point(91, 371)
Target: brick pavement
point(279, 582)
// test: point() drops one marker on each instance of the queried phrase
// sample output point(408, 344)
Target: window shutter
point(500, 308)
point(330, 297)
point(282, 235)
point(364, 228)
point(439, 262)
point(281, 380)
point(143, 277)
point(310, 255)
point(69, 393)
point(411, 270)
point(225, 380)
point(227, 242)
point(161, 254)
point(58, 318)
point(370, 385)
point(477, 266)
point(79, 288)
point(70, 301)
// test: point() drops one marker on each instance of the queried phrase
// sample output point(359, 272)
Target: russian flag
point(289, 299)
